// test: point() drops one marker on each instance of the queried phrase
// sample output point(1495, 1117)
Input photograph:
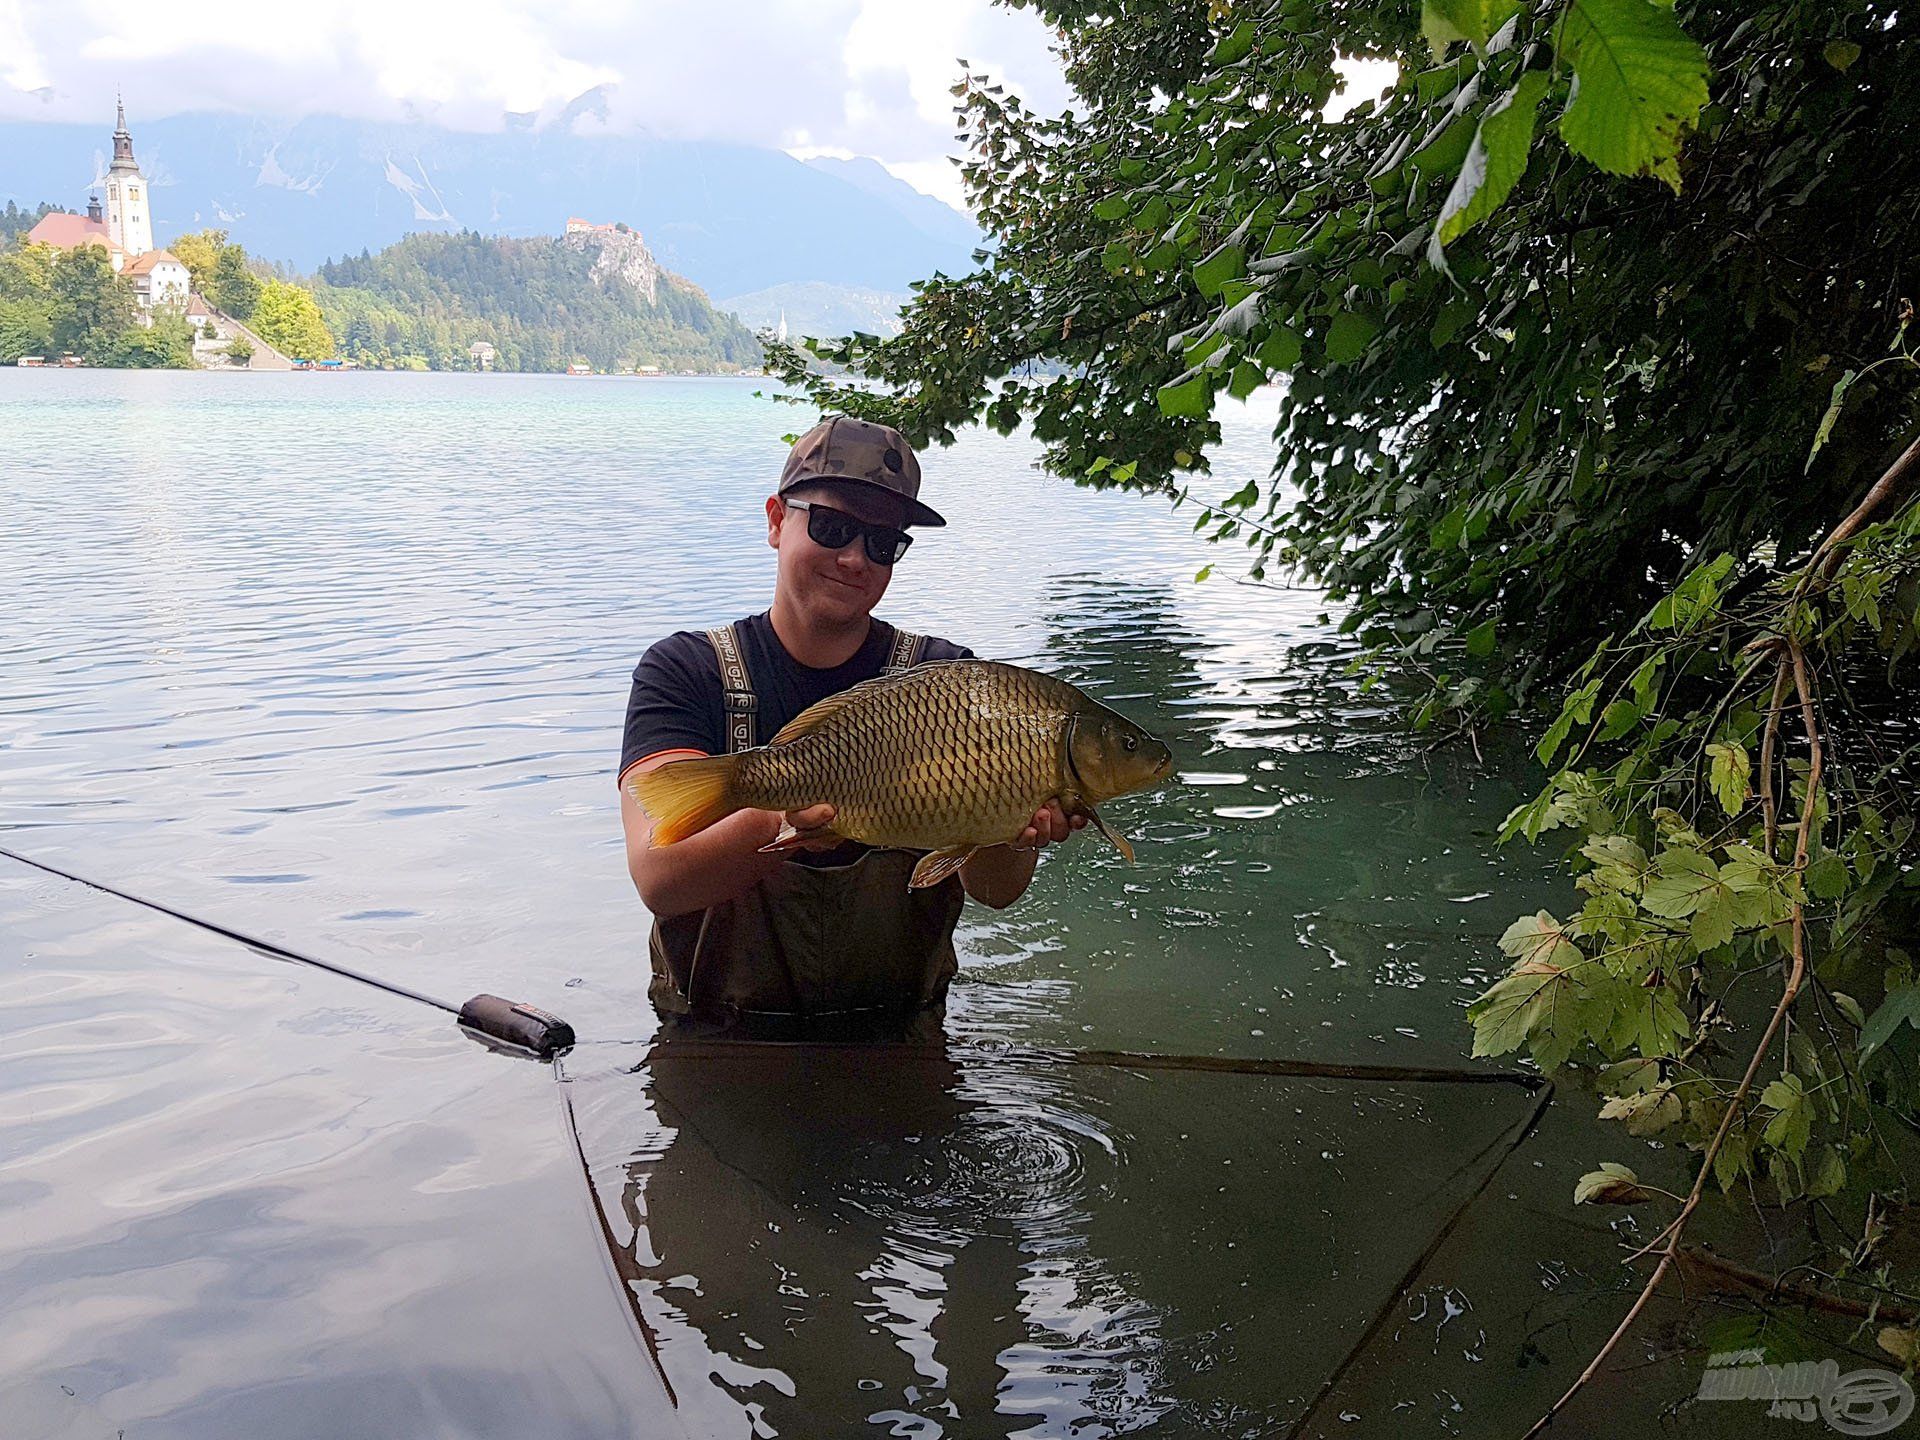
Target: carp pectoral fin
point(1119, 840)
point(791, 839)
point(937, 865)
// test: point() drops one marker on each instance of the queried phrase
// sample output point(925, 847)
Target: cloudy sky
point(841, 77)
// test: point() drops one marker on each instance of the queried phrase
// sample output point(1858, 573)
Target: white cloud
point(864, 77)
point(21, 68)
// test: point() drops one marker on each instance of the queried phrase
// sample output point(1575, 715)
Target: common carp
point(947, 757)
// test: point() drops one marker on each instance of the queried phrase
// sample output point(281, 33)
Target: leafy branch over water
point(1583, 328)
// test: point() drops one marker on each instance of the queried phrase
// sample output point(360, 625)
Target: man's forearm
point(720, 863)
point(998, 875)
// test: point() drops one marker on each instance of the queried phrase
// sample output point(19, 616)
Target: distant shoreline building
point(124, 230)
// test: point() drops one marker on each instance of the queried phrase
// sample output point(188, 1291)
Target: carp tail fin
point(684, 797)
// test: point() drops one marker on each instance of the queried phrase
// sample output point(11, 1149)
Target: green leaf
point(1495, 161)
point(1480, 640)
point(1539, 939)
point(1639, 80)
point(1714, 921)
point(1731, 775)
point(1514, 1008)
point(1684, 882)
point(1235, 45)
point(1447, 150)
point(1555, 737)
point(1202, 573)
point(1841, 54)
point(1611, 1184)
point(1828, 420)
point(1829, 1174)
point(1828, 877)
point(1782, 1094)
point(1902, 1004)
point(1111, 207)
point(1618, 718)
point(1187, 397)
point(1789, 1128)
point(1280, 350)
point(1646, 1112)
point(1474, 21)
point(1655, 1022)
point(1731, 1159)
point(1229, 262)
point(1347, 337)
point(1453, 318)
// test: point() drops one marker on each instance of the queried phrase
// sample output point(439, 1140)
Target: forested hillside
point(542, 303)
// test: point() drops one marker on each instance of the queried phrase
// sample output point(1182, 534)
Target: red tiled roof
point(66, 231)
point(141, 264)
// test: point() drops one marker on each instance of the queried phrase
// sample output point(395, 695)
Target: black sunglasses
point(835, 530)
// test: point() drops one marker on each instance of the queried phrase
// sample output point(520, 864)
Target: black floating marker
point(525, 1027)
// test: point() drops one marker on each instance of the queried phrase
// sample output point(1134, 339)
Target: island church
point(124, 230)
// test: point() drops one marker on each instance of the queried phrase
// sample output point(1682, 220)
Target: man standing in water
point(826, 939)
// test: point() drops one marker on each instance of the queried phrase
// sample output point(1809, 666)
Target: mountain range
point(732, 218)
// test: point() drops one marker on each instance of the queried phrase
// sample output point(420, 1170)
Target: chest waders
point(812, 950)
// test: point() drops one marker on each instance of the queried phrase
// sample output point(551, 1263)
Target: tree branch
point(1668, 1240)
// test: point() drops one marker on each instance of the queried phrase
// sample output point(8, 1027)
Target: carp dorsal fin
point(937, 865)
point(821, 711)
point(1119, 840)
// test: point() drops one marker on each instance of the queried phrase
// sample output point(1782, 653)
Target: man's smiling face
point(834, 588)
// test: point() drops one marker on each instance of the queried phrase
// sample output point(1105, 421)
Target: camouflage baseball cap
point(844, 451)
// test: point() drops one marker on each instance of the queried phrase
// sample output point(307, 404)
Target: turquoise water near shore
point(341, 661)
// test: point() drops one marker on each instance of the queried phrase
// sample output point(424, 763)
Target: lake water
point(341, 661)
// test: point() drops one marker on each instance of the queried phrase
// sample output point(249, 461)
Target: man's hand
point(999, 874)
point(1050, 826)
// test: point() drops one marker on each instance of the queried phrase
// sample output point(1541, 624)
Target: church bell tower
point(129, 212)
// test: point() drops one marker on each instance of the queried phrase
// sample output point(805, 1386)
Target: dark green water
point(341, 661)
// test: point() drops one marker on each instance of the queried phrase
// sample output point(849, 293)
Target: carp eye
point(1131, 743)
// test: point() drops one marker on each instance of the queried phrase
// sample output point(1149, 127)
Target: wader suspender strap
point(742, 706)
point(736, 690)
point(905, 654)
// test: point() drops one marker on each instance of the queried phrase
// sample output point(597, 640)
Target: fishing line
point(510, 1023)
point(632, 1277)
point(524, 1027)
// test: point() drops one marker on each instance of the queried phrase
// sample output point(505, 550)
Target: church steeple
point(122, 141)
point(129, 213)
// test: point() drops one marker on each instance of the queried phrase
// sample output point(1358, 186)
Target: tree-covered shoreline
point(541, 306)
point(431, 302)
point(55, 304)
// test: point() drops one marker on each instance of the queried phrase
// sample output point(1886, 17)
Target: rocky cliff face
point(623, 257)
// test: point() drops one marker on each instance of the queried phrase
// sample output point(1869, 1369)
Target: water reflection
point(916, 1239)
point(873, 1235)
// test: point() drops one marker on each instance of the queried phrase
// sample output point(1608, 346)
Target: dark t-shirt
point(676, 702)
